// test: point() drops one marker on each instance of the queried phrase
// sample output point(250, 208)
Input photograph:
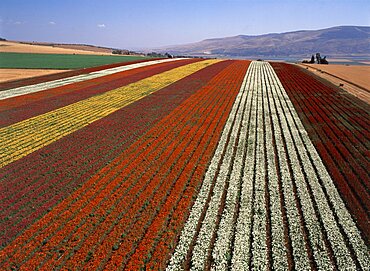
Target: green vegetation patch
point(58, 61)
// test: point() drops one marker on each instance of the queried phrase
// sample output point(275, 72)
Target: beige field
point(339, 60)
point(357, 75)
point(15, 47)
point(15, 74)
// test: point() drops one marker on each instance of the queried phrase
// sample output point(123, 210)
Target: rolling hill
point(341, 41)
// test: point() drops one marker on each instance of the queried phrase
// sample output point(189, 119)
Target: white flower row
point(222, 249)
point(259, 248)
point(279, 251)
point(290, 133)
point(189, 230)
point(306, 150)
point(295, 231)
point(200, 252)
point(74, 79)
point(241, 257)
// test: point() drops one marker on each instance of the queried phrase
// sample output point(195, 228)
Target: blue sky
point(146, 24)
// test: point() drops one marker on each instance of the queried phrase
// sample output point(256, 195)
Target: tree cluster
point(319, 59)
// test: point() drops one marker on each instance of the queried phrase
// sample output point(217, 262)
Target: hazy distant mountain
point(335, 41)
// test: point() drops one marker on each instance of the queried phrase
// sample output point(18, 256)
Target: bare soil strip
point(264, 133)
point(16, 74)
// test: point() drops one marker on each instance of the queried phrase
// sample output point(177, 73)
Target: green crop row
point(58, 61)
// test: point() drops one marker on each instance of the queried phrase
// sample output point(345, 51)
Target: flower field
point(183, 164)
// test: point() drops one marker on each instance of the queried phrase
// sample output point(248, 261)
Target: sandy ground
point(358, 75)
point(84, 47)
point(14, 74)
point(339, 60)
point(15, 47)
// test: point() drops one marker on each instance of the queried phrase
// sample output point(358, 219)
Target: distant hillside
point(84, 47)
point(59, 48)
point(338, 41)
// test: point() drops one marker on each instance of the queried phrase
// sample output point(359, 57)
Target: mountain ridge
point(334, 41)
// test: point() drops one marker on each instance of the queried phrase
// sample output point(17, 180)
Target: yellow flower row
point(25, 137)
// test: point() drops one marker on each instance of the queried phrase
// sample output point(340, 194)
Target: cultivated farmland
point(58, 61)
point(182, 164)
point(20, 60)
point(51, 48)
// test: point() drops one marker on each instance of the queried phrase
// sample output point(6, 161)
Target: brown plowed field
point(355, 79)
point(15, 74)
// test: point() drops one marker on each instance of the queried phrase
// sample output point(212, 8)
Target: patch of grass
point(59, 61)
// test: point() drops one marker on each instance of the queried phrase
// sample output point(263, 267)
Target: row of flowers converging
point(144, 178)
point(25, 137)
point(265, 153)
point(38, 181)
point(338, 125)
point(43, 178)
point(23, 107)
point(266, 201)
point(13, 92)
